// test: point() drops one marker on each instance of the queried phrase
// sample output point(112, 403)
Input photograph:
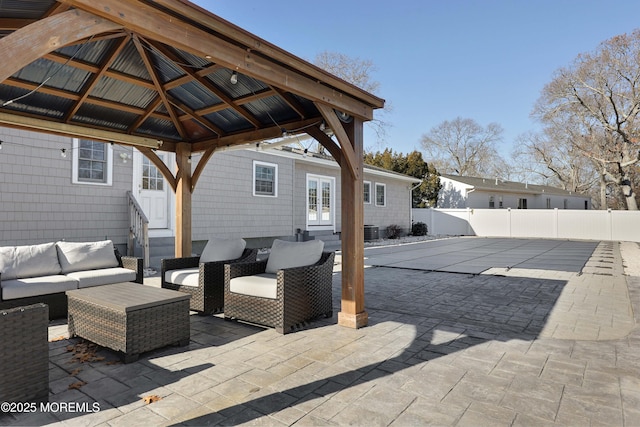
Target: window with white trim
point(367, 192)
point(381, 194)
point(92, 162)
point(265, 179)
point(492, 202)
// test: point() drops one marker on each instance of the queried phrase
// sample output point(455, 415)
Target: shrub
point(419, 229)
point(393, 231)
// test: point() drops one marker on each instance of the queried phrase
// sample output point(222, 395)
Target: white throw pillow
point(74, 256)
point(293, 254)
point(222, 250)
point(19, 262)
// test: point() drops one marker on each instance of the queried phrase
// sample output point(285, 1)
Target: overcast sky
point(436, 60)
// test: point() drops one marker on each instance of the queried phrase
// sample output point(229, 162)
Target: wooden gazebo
point(167, 75)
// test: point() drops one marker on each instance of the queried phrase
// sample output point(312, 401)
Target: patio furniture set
point(292, 286)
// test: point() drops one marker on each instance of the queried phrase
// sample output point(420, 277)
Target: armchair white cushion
point(222, 250)
point(183, 277)
point(263, 285)
point(293, 254)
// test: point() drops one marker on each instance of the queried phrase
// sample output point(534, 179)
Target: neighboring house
point(493, 193)
point(242, 193)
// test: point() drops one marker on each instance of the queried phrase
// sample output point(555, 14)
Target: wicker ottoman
point(129, 317)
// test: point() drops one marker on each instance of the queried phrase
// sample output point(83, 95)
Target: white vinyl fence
point(542, 223)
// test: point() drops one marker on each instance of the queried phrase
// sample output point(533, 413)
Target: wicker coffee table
point(129, 317)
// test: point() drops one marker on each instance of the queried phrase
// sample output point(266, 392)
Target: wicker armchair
point(303, 293)
point(24, 354)
point(208, 296)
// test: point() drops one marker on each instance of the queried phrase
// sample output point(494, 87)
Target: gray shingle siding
point(39, 203)
point(224, 204)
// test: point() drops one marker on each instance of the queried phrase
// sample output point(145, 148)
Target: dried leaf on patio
point(151, 399)
point(76, 386)
point(75, 372)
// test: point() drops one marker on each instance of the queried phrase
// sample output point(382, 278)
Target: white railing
point(138, 229)
point(541, 223)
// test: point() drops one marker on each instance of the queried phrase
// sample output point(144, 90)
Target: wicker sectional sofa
point(42, 273)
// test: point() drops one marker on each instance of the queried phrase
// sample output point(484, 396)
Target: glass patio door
point(319, 201)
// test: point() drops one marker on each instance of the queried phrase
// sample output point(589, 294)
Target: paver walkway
point(441, 348)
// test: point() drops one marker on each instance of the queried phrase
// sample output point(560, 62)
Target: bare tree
point(463, 147)
point(551, 158)
point(358, 72)
point(599, 95)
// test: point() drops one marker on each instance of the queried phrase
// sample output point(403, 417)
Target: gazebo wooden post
point(183, 200)
point(352, 312)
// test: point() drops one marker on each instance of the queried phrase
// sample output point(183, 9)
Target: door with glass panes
point(320, 210)
point(152, 191)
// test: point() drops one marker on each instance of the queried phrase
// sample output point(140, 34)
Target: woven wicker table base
point(129, 318)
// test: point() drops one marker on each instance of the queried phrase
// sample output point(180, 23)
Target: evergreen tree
point(413, 165)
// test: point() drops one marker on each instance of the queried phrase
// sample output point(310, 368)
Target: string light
point(63, 152)
point(234, 78)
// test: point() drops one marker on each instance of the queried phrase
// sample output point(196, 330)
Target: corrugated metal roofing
point(81, 83)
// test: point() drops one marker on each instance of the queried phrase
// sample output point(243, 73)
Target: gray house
point(54, 188)
point(493, 193)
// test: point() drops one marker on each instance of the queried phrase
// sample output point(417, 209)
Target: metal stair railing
point(138, 230)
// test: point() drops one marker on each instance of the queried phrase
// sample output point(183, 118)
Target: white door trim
point(321, 224)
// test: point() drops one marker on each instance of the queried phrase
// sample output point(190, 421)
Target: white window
point(548, 202)
point(566, 203)
point(92, 162)
point(492, 202)
point(500, 204)
point(367, 192)
point(265, 179)
point(381, 194)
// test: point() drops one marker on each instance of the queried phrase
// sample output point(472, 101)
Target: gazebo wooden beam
point(32, 42)
point(352, 313)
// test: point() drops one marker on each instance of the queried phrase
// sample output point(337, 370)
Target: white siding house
point(58, 188)
point(493, 193)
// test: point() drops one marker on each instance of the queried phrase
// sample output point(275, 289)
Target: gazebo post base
point(354, 321)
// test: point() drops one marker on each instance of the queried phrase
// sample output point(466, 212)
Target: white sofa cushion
point(293, 254)
point(183, 277)
point(76, 256)
point(263, 285)
point(222, 250)
point(18, 262)
point(102, 276)
point(34, 286)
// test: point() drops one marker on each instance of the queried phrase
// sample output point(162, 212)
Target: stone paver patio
point(514, 345)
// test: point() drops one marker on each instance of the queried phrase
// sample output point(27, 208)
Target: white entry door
point(320, 210)
point(152, 192)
